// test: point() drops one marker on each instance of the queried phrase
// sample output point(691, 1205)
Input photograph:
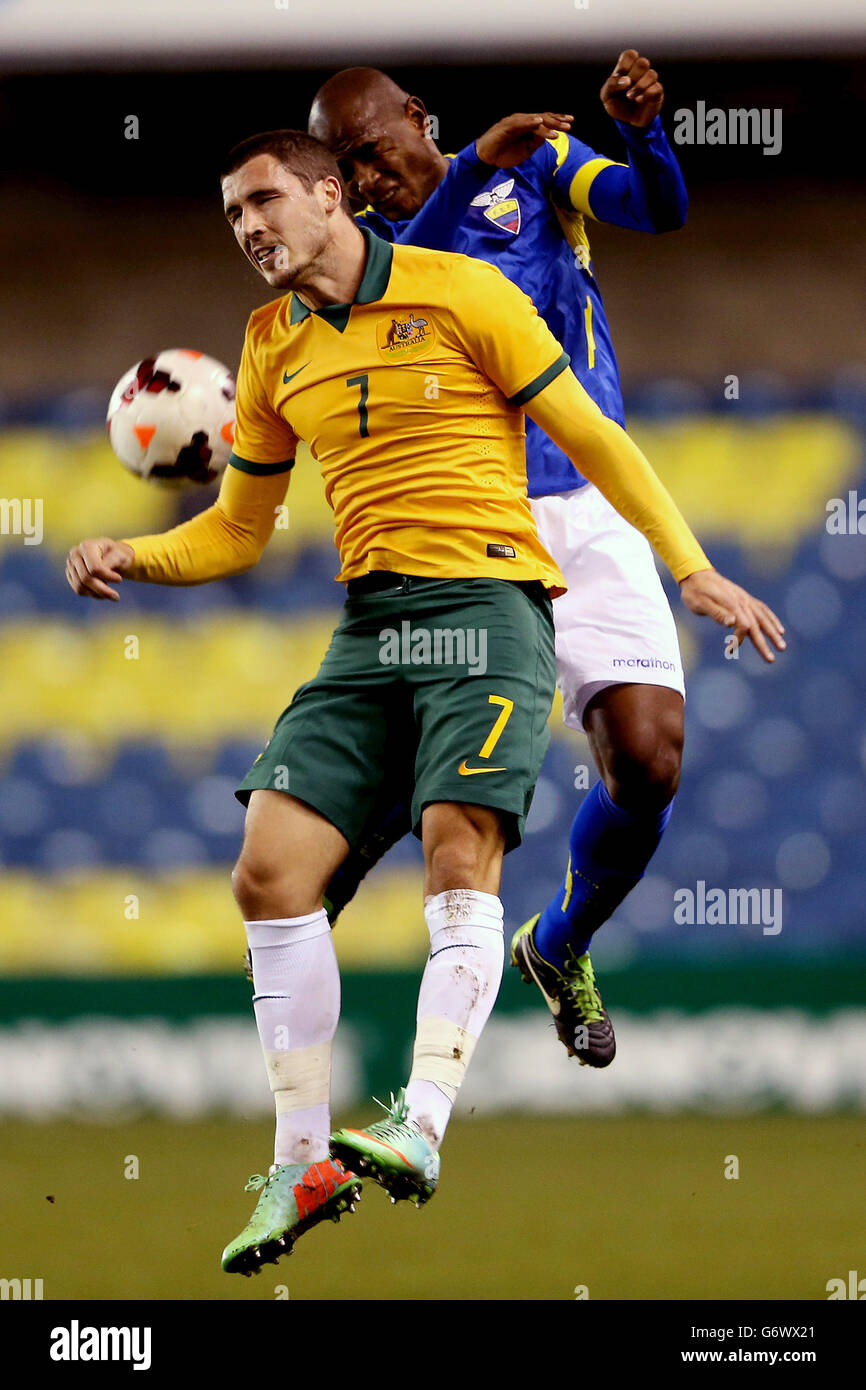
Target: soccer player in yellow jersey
point(407, 371)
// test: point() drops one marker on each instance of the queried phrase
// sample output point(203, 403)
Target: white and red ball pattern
point(171, 418)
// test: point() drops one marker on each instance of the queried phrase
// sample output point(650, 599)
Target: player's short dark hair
point(304, 156)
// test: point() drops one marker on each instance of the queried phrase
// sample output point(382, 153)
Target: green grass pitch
point(528, 1208)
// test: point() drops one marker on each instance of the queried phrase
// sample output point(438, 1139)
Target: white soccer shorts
point(614, 625)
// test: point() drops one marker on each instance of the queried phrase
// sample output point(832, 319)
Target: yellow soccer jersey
point(410, 401)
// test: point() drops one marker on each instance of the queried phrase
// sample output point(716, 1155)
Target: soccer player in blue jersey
point(520, 198)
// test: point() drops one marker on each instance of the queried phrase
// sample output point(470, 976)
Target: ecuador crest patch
point(500, 207)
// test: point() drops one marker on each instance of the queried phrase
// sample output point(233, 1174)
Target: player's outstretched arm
point(605, 454)
point(649, 193)
point(633, 93)
point(509, 142)
point(512, 345)
point(516, 137)
point(602, 451)
point(228, 538)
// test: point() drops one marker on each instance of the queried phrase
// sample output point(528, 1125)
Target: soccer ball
point(171, 418)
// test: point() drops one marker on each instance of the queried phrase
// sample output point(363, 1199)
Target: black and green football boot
point(580, 1018)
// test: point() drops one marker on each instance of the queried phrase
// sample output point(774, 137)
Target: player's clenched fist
point(516, 137)
point(92, 566)
point(633, 92)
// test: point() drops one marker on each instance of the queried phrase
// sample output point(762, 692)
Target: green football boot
point(295, 1197)
point(581, 1020)
point(393, 1151)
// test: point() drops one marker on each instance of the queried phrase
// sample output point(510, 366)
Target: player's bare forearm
point(516, 137)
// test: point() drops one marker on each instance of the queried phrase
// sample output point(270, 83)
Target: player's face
point(280, 225)
point(389, 165)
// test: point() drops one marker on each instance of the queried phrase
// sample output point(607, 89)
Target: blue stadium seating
point(774, 787)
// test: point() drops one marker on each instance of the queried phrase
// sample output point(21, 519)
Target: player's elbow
point(671, 217)
point(246, 558)
point(672, 223)
point(241, 544)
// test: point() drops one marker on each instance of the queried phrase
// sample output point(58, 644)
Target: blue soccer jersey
point(530, 222)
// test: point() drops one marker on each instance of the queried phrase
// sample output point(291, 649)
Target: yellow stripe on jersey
point(573, 226)
point(559, 141)
point(578, 192)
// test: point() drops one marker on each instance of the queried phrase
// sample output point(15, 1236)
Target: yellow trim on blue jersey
point(559, 141)
point(574, 231)
point(578, 192)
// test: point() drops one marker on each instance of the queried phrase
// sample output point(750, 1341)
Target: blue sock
point(609, 849)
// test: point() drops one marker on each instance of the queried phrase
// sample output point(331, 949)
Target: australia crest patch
point(404, 336)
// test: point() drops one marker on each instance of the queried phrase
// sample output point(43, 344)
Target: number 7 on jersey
point(364, 382)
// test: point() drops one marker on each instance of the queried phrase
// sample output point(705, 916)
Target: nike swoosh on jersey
point(287, 379)
point(471, 771)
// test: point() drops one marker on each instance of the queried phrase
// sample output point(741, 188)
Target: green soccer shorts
point(442, 687)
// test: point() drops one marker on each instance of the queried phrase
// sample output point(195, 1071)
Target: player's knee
point(264, 889)
point(249, 884)
point(453, 864)
point(462, 846)
point(644, 773)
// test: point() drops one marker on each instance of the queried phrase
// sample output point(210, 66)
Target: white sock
point(458, 990)
point(297, 1007)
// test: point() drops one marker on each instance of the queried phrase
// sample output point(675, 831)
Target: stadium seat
point(123, 770)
